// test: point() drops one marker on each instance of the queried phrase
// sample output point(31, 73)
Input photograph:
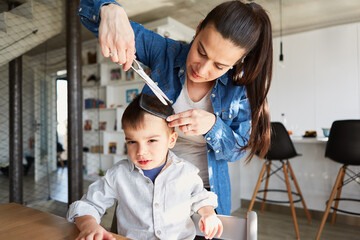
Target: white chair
point(235, 228)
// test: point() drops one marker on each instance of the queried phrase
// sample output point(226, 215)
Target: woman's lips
point(194, 75)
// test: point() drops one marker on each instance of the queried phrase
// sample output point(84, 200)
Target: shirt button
point(94, 17)
point(149, 181)
point(209, 150)
point(229, 115)
point(208, 138)
point(80, 9)
point(156, 83)
point(171, 101)
point(213, 95)
point(156, 205)
point(181, 71)
point(217, 114)
point(158, 232)
point(217, 151)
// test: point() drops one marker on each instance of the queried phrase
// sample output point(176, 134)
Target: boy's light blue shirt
point(167, 60)
point(145, 210)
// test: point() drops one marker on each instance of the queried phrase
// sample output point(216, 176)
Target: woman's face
point(211, 56)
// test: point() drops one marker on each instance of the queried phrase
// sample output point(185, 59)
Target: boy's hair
point(133, 116)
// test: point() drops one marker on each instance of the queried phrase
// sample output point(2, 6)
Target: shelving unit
point(107, 90)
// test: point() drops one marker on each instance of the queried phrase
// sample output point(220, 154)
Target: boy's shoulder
point(182, 163)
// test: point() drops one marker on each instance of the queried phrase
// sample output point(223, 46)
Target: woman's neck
point(197, 91)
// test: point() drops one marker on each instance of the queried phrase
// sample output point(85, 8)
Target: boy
point(156, 191)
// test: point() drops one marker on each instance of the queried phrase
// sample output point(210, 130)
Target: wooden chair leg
point(299, 192)
point(338, 194)
point(257, 187)
point(291, 201)
point(332, 195)
point(266, 185)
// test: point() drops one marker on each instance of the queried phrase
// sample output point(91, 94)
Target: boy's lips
point(144, 162)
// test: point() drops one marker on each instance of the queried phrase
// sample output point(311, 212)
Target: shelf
point(124, 83)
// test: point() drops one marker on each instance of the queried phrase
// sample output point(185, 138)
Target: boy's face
point(148, 145)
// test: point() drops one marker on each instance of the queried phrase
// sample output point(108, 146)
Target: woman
point(217, 84)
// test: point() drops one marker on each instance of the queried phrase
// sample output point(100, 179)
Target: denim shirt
point(167, 60)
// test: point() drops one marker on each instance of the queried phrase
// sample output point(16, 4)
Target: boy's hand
point(210, 224)
point(91, 230)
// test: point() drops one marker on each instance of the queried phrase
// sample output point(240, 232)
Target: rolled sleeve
point(89, 12)
point(208, 199)
point(81, 208)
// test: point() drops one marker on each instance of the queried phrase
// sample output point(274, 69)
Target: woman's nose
point(204, 68)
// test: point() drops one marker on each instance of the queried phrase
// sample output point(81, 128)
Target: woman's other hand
point(116, 36)
point(193, 122)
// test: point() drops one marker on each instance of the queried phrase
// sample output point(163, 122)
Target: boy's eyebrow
point(203, 48)
point(152, 136)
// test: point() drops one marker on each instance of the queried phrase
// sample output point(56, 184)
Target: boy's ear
point(172, 139)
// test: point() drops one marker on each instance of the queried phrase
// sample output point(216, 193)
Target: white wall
point(320, 80)
point(319, 84)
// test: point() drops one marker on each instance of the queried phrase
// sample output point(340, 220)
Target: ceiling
point(297, 15)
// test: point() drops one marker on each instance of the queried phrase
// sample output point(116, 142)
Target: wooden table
point(18, 222)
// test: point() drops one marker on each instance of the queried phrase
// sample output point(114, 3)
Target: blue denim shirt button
point(94, 17)
point(181, 71)
point(217, 114)
point(209, 150)
point(80, 9)
point(229, 115)
point(208, 138)
point(217, 151)
point(213, 95)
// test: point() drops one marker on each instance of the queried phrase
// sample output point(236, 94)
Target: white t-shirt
point(193, 148)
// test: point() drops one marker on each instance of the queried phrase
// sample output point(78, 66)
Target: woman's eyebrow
point(203, 48)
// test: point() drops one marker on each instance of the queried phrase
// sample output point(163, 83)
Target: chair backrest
point(343, 145)
point(235, 228)
point(281, 145)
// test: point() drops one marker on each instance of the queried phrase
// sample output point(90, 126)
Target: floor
point(50, 195)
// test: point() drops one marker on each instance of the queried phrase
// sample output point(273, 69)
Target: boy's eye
point(130, 142)
point(152, 140)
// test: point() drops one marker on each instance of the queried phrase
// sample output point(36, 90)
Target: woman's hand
point(193, 122)
point(116, 35)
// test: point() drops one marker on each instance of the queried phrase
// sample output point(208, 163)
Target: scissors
point(156, 90)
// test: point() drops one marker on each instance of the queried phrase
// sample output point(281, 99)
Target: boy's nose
point(141, 151)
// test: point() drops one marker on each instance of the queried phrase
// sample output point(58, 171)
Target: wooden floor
point(274, 226)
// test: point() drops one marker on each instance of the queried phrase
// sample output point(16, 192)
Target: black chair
point(281, 149)
point(343, 146)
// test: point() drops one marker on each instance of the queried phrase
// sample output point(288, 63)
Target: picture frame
point(131, 94)
point(102, 125)
point(129, 75)
point(115, 74)
point(112, 147)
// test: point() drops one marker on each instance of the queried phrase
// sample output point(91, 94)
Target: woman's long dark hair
point(248, 26)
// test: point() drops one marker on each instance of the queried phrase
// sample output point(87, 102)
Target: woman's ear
point(172, 139)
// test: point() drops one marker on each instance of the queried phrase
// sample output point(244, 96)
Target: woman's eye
point(202, 54)
point(218, 67)
point(130, 142)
